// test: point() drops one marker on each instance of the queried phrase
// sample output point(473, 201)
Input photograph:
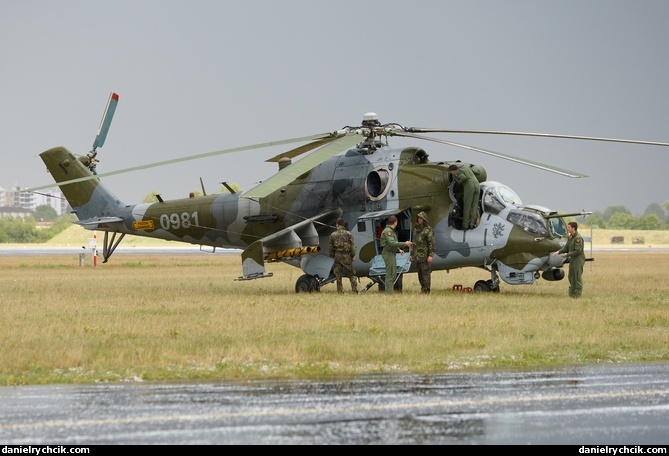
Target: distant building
point(14, 199)
point(51, 197)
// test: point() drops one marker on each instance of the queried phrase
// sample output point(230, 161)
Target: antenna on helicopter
point(91, 157)
point(204, 192)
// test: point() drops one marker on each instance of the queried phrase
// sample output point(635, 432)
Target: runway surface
point(626, 404)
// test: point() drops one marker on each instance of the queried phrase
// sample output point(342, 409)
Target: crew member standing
point(465, 177)
point(422, 251)
point(574, 251)
point(342, 249)
point(391, 246)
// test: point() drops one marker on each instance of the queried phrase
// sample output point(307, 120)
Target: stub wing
point(296, 240)
point(95, 222)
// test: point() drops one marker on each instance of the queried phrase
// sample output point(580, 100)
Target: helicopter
point(352, 173)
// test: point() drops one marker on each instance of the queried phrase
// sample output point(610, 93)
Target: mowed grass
point(184, 317)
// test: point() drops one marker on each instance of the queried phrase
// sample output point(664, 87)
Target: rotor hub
point(370, 119)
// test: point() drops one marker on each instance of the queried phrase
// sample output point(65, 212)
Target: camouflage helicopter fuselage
point(293, 223)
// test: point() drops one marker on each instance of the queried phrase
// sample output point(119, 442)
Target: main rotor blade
point(522, 161)
point(183, 159)
point(292, 172)
point(543, 135)
point(301, 150)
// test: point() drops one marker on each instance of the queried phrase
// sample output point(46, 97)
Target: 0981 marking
point(176, 221)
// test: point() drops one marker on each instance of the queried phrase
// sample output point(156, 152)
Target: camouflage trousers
point(345, 270)
point(424, 275)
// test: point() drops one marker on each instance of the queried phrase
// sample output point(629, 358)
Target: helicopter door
point(375, 222)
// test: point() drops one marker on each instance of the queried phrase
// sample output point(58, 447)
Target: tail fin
point(88, 199)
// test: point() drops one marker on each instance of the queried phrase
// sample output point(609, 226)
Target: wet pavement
point(612, 404)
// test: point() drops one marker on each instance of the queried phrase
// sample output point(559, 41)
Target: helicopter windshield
point(498, 196)
point(529, 222)
point(558, 226)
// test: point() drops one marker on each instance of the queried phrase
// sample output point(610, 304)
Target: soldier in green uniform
point(342, 249)
point(574, 251)
point(422, 251)
point(391, 246)
point(465, 177)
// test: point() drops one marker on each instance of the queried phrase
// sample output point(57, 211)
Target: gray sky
point(200, 76)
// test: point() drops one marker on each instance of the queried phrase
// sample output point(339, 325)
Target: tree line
point(17, 230)
point(620, 218)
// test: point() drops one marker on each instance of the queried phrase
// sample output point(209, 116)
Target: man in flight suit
point(465, 177)
point(391, 246)
point(574, 251)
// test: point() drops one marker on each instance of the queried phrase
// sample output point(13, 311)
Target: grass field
point(184, 317)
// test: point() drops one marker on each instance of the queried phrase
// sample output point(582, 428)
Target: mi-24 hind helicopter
point(352, 173)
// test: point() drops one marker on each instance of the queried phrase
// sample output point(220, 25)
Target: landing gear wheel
point(306, 284)
point(315, 284)
point(491, 287)
point(481, 285)
point(396, 287)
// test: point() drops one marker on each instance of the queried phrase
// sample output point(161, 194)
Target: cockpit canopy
point(498, 197)
point(530, 222)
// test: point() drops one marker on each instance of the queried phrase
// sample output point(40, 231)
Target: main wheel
point(315, 284)
point(481, 285)
point(304, 284)
point(494, 289)
point(396, 287)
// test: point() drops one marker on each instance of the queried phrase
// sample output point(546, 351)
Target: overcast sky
point(200, 76)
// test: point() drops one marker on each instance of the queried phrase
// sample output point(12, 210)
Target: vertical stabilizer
point(88, 198)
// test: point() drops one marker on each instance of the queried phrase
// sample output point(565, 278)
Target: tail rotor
point(91, 160)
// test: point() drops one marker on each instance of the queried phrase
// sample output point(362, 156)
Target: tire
point(304, 284)
point(314, 284)
point(396, 287)
point(481, 286)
